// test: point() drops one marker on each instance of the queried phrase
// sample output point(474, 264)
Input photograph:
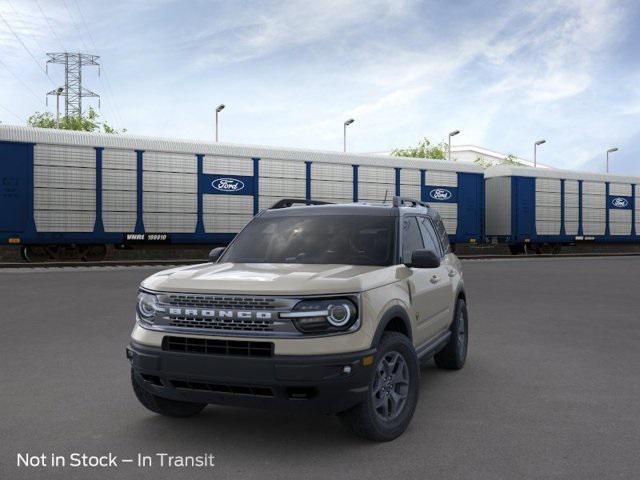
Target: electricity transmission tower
point(73, 91)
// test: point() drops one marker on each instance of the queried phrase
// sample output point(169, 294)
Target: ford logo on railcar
point(440, 194)
point(228, 184)
point(620, 202)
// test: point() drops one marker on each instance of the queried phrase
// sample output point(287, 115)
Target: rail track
point(190, 261)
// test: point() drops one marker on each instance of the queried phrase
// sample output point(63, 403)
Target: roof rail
point(401, 201)
point(290, 202)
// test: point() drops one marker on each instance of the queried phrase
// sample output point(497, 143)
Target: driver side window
point(411, 238)
point(431, 241)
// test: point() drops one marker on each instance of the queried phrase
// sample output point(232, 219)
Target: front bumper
point(321, 383)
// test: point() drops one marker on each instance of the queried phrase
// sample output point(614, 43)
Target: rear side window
point(441, 231)
point(431, 241)
point(411, 238)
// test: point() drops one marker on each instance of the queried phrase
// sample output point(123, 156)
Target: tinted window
point(330, 239)
point(430, 239)
point(411, 238)
point(440, 230)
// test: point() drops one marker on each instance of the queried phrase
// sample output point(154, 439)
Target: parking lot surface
point(551, 388)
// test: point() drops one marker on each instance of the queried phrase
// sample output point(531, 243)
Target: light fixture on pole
point(451, 134)
point(344, 135)
point(219, 108)
point(535, 152)
point(611, 150)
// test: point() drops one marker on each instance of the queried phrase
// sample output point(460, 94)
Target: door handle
point(434, 279)
point(452, 273)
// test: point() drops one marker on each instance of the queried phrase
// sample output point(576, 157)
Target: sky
point(505, 73)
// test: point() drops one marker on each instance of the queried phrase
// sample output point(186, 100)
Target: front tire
point(454, 354)
point(164, 406)
point(392, 395)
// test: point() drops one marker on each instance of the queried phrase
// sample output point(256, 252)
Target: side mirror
point(215, 254)
point(424, 259)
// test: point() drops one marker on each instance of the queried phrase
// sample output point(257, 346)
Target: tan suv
point(315, 307)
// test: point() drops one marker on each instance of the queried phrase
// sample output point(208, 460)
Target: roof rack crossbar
point(400, 201)
point(290, 202)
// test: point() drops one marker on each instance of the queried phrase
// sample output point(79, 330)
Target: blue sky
point(504, 73)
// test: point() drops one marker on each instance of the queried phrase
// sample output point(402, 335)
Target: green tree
point(87, 123)
point(510, 159)
point(425, 149)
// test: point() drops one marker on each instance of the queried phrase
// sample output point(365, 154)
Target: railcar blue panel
point(523, 208)
point(99, 226)
point(139, 195)
point(15, 189)
point(256, 185)
point(470, 198)
point(200, 205)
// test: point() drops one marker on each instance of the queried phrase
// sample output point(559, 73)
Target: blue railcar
point(543, 209)
point(83, 191)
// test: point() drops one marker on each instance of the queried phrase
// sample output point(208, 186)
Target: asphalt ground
point(551, 388)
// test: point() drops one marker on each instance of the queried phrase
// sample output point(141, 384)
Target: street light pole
point(344, 134)
point(611, 150)
point(451, 134)
point(535, 152)
point(59, 90)
point(219, 108)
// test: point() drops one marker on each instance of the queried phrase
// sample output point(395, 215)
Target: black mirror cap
point(216, 253)
point(424, 259)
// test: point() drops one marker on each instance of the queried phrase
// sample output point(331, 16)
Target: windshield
point(338, 239)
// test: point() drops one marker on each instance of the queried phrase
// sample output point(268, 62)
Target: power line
point(85, 24)
point(73, 22)
point(34, 37)
point(26, 48)
point(20, 80)
point(110, 96)
point(12, 113)
point(50, 26)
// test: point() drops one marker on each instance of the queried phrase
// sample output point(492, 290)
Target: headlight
point(324, 315)
point(147, 306)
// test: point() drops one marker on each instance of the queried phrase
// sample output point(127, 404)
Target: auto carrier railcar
point(64, 190)
point(543, 209)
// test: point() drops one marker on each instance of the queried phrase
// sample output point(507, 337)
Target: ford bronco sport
point(315, 307)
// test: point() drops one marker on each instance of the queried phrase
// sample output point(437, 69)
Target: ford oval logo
point(440, 194)
point(228, 184)
point(620, 202)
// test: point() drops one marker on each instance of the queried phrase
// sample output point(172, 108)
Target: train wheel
point(93, 253)
point(556, 248)
point(516, 249)
point(34, 253)
point(545, 248)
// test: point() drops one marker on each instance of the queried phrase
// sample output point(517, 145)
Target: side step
point(433, 346)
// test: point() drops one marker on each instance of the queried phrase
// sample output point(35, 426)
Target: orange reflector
point(368, 360)
point(14, 240)
point(472, 240)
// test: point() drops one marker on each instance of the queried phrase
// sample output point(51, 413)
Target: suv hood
point(271, 278)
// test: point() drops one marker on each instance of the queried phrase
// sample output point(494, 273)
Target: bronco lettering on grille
point(209, 313)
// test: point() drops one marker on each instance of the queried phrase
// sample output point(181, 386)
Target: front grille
point(223, 388)
point(228, 324)
point(221, 301)
point(208, 346)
